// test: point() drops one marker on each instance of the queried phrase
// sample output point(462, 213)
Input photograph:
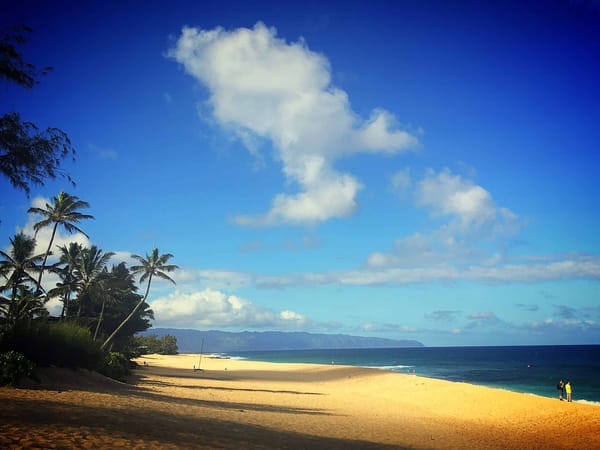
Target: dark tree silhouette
point(153, 265)
point(28, 155)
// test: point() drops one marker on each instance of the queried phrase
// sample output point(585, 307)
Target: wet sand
point(233, 404)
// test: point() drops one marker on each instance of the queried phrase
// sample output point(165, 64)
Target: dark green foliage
point(12, 66)
point(115, 365)
point(22, 309)
point(58, 344)
point(165, 345)
point(28, 155)
point(154, 264)
point(125, 300)
point(13, 367)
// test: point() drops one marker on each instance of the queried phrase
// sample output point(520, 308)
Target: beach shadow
point(139, 379)
point(65, 380)
point(214, 404)
point(330, 374)
point(38, 419)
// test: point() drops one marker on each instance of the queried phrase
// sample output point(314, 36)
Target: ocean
point(527, 369)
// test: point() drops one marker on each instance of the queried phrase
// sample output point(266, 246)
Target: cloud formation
point(212, 308)
point(470, 207)
point(575, 267)
point(262, 86)
point(471, 231)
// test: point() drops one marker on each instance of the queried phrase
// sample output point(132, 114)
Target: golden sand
point(233, 404)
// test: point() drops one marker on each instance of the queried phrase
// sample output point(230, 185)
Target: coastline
point(526, 369)
point(234, 403)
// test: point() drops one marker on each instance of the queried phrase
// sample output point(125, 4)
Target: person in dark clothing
point(560, 386)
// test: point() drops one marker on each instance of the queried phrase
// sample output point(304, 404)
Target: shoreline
point(530, 385)
point(235, 403)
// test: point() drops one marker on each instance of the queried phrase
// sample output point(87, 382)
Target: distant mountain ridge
point(190, 341)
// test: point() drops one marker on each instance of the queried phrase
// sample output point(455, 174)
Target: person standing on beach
point(560, 386)
point(568, 389)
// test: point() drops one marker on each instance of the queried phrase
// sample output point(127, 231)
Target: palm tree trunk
point(39, 281)
point(131, 314)
point(65, 309)
point(100, 319)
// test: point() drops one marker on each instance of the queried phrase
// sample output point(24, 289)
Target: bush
point(114, 365)
point(61, 344)
point(13, 367)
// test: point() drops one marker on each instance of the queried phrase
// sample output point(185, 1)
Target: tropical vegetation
point(100, 308)
point(97, 308)
point(151, 344)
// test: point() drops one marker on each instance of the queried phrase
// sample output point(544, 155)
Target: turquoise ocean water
point(528, 369)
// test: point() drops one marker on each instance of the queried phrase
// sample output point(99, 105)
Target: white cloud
point(577, 268)
point(470, 206)
point(573, 267)
point(557, 327)
point(443, 315)
point(212, 308)
point(471, 231)
point(377, 260)
point(123, 256)
point(333, 196)
point(261, 85)
point(217, 279)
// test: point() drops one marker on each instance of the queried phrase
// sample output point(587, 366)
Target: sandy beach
point(234, 404)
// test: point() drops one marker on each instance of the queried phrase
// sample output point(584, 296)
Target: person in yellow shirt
point(568, 390)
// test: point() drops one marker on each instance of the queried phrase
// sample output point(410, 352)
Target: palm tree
point(90, 284)
point(18, 263)
point(70, 258)
point(63, 211)
point(15, 269)
point(106, 294)
point(151, 266)
point(22, 308)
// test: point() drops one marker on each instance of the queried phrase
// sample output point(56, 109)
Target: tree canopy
point(28, 155)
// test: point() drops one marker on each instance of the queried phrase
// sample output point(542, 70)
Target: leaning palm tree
point(113, 286)
point(151, 266)
point(63, 211)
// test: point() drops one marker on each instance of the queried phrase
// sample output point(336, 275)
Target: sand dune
point(245, 404)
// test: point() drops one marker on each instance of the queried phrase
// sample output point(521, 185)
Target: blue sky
point(410, 170)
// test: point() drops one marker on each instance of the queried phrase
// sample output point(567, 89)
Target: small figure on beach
point(560, 386)
point(569, 391)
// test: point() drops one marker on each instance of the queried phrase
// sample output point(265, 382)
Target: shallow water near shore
point(528, 369)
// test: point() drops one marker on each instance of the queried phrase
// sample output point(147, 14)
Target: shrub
point(13, 367)
point(71, 345)
point(114, 365)
point(58, 344)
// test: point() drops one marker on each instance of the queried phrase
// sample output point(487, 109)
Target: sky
point(409, 170)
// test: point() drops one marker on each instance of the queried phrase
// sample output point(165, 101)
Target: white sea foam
point(587, 402)
point(218, 356)
point(392, 368)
